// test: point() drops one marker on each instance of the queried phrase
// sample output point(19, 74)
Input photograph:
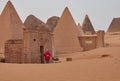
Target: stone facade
point(89, 42)
point(35, 44)
point(37, 39)
point(100, 38)
point(13, 51)
point(29, 50)
point(87, 26)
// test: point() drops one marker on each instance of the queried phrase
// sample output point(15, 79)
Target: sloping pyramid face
point(11, 27)
point(65, 34)
point(115, 25)
point(80, 31)
point(87, 26)
point(34, 23)
point(52, 22)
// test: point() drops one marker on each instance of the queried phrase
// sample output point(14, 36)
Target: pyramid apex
point(87, 26)
point(9, 3)
point(78, 24)
point(8, 6)
point(31, 16)
point(86, 19)
point(86, 16)
point(67, 16)
point(66, 9)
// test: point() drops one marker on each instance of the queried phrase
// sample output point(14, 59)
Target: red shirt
point(47, 56)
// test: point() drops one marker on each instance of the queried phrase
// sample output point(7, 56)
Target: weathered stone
point(13, 51)
point(11, 26)
point(65, 35)
point(100, 38)
point(37, 39)
point(115, 25)
point(88, 42)
point(105, 55)
point(33, 22)
point(87, 26)
point(79, 30)
point(68, 59)
point(52, 22)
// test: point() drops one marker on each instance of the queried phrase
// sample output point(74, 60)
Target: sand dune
point(85, 66)
point(81, 69)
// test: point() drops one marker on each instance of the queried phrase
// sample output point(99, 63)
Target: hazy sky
point(100, 12)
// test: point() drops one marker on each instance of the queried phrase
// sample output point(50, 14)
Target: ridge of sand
point(86, 67)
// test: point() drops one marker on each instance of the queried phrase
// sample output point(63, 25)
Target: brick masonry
point(13, 53)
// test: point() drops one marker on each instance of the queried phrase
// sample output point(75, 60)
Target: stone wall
point(35, 44)
point(100, 38)
point(88, 42)
point(13, 51)
point(31, 50)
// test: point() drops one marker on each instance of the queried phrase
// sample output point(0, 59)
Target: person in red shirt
point(47, 56)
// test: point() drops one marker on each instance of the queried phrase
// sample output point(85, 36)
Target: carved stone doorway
point(42, 54)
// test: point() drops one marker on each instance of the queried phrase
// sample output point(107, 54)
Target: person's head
point(47, 49)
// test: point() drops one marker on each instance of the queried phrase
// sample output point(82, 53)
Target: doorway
point(42, 54)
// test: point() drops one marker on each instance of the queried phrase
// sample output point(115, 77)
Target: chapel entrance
point(42, 54)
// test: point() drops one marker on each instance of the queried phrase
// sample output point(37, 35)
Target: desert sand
point(102, 64)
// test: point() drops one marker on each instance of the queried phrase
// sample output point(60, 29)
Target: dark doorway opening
point(42, 54)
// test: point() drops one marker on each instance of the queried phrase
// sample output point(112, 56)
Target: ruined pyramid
point(115, 25)
point(11, 27)
point(65, 34)
point(52, 22)
point(33, 22)
point(80, 31)
point(87, 26)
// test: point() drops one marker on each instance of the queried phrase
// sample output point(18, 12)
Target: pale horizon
point(100, 12)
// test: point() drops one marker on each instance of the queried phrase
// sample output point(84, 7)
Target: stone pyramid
point(52, 22)
point(115, 25)
point(87, 26)
point(11, 27)
point(33, 22)
point(65, 34)
point(80, 31)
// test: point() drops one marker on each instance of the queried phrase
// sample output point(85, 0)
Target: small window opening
point(34, 39)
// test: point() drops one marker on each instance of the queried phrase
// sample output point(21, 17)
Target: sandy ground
point(85, 66)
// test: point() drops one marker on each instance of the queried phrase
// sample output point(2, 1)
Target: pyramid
point(11, 27)
point(80, 31)
point(52, 22)
point(87, 26)
point(65, 34)
point(33, 22)
point(115, 25)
